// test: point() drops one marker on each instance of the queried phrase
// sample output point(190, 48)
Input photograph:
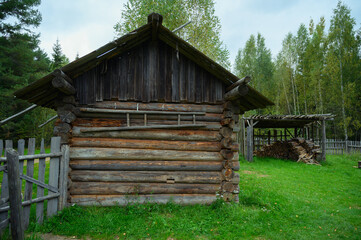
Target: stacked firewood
point(297, 149)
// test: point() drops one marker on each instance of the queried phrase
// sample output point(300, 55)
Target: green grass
point(278, 200)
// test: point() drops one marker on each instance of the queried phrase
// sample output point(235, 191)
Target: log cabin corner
point(147, 118)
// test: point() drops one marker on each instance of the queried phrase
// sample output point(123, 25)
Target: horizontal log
point(62, 128)
point(66, 116)
point(230, 187)
point(127, 128)
point(107, 188)
point(234, 164)
point(227, 142)
point(242, 81)
point(60, 73)
point(122, 111)
point(226, 132)
point(160, 106)
point(230, 197)
point(228, 174)
point(78, 153)
point(69, 99)
point(227, 122)
point(236, 93)
point(146, 144)
point(115, 200)
point(171, 135)
point(141, 165)
point(227, 154)
point(146, 176)
point(104, 122)
point(208, 117)
point(63, 85)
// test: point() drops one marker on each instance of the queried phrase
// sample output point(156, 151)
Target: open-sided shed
point(148, 118)
point(302, 125)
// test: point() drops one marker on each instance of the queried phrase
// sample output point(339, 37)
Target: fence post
point(63, 177)
point(54, 175)
point(16, 214)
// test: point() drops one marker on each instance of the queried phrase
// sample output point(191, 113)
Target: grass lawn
point(278, 200)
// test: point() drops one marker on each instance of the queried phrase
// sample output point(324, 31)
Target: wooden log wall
point(191, 165)
point(151, 72)
point(230, 187)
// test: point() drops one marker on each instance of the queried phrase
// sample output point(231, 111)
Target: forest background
point(318, 70)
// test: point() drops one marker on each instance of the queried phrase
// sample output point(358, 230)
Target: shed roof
point(41, 92)
point(287, 121)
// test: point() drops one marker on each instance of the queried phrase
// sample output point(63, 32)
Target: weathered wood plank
point(140, 154)
point(143, 165)
point(208, 117)
point(21, 150)
point(54, 175)
point(146, 176)
point(103, 122)
point(105, 110)
point(63, 177)
point(177, 107)
point(16, 211)
point(40, 189)
point(127, 128)
point(110, 200)
point(5, 183)
point(146, 144)
point(91, 188)
point(171, 135)
point(29, 185)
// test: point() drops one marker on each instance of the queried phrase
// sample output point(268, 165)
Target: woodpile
point(297, 149)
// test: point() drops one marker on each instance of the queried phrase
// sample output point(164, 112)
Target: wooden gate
point(50, 178)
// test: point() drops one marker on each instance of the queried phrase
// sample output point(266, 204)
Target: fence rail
point(333, 146)
point(48, 179)
point(337, 146)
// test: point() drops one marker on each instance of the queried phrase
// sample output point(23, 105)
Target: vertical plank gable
point(151, 72)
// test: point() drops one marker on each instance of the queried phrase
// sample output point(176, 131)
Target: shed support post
point(249, 156)
point(269, 137)
point(295, 135)
point(243, 134)
point(323, 143)
point(275, 135)
point(285, 134)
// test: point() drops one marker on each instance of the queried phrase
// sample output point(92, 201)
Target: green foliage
point(255, 60)
point(59, 58)
point(21, 63)
point(279, 199)
point(22, 11)
point(203, 33)
point(315, 72)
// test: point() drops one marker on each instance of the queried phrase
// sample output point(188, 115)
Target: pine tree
point(59, 59)
point(21, 62)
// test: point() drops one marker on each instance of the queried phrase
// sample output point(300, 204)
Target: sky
point(82, 26)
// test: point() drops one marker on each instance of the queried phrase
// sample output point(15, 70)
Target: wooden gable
point(150, 72)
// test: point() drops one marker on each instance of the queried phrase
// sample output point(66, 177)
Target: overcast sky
point(85, 25)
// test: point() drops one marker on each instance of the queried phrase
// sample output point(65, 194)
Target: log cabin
point(147, 118)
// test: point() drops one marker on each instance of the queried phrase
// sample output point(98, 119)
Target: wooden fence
point(50, 179)
point(333, 146)
point(336, 146)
